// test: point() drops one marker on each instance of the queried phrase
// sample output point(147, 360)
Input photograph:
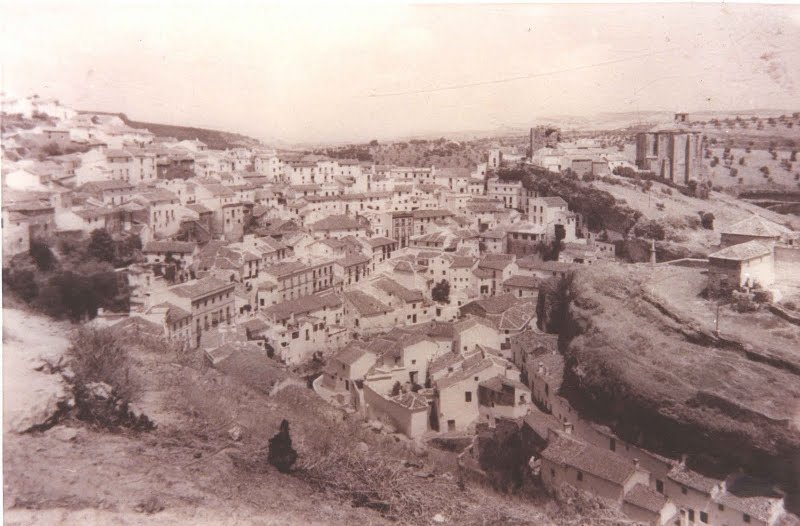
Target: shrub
point(441, 292)
point(707, 220)
point(96, 355)
point(281, 453)
point(762, 296)
point(650, 230)
point(742, 302)
point(21, 282)
point(101, 245)
point(42, 255)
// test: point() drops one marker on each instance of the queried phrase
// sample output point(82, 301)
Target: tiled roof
point(352, 259)
point(365, 304)
point(470, 366)
point(497, 383)
point(749, 495)
point(340, 222)
point(496, 304)
point(756, 226)
point(285, 268)
point(380, 241)
point(692, 479)
point(350, 354)
point(643, 497)
point(742, 252)
point(496, 261)
point(180, 247)
point(305, 305)
point(100, 186)
point(173, 312)
point(444, 361)
point(541, 422)
point(392, 287)
point(527, 282)
point(567, 451)
point(426, 214)
point(200, 287)
point(554, 201)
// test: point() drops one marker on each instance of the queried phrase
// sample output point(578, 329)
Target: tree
point(441, 292)
point(101, 245)
point(42, 255)
point(22, 282)
point(281, 453)
point(707, 220)
point(396, 389)
point(552, 308)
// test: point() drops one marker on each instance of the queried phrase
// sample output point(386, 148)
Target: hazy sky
point(315, 73)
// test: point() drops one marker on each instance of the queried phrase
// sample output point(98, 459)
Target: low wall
point(412, 423)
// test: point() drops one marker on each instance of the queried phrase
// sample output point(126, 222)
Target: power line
point(522, 77)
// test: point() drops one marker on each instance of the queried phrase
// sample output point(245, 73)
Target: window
point(660, 486)
point(684, 490)
point(720, 507)
point(468, 396)
point(746, 518)
point(704, 517)
point(579, 476)
point(295, 335)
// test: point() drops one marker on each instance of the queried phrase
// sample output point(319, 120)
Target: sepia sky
point(316, 73)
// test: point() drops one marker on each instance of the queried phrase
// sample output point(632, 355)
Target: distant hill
point(215, 139)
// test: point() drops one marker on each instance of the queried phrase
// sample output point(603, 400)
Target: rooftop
point(643, 497)
point(365, 304)
point(756, 226)
point(742, 252)
point(567, 451)
point(201, 287)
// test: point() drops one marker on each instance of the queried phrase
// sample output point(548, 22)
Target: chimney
point(684, 458)
point(652, 251)
point(568, 428)
point(636, 463)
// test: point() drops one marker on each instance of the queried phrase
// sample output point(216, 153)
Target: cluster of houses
point(416, 284)
point(650, 489)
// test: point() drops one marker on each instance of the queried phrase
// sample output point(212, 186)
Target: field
point(680, 213)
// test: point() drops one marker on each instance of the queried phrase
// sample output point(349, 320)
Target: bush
point(707, 220)
point(101, 245)
point(649, 229)
point(42, 255)
point(762, 296)
point(441, 292)
point(96, 355)
point(742, 303)
point(281, 453)
point(21, 282)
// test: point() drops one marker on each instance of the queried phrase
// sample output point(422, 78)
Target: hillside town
point(413, 293)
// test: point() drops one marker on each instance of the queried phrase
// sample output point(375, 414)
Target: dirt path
point(29, 394)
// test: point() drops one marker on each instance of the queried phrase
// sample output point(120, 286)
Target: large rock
point(46, 398)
